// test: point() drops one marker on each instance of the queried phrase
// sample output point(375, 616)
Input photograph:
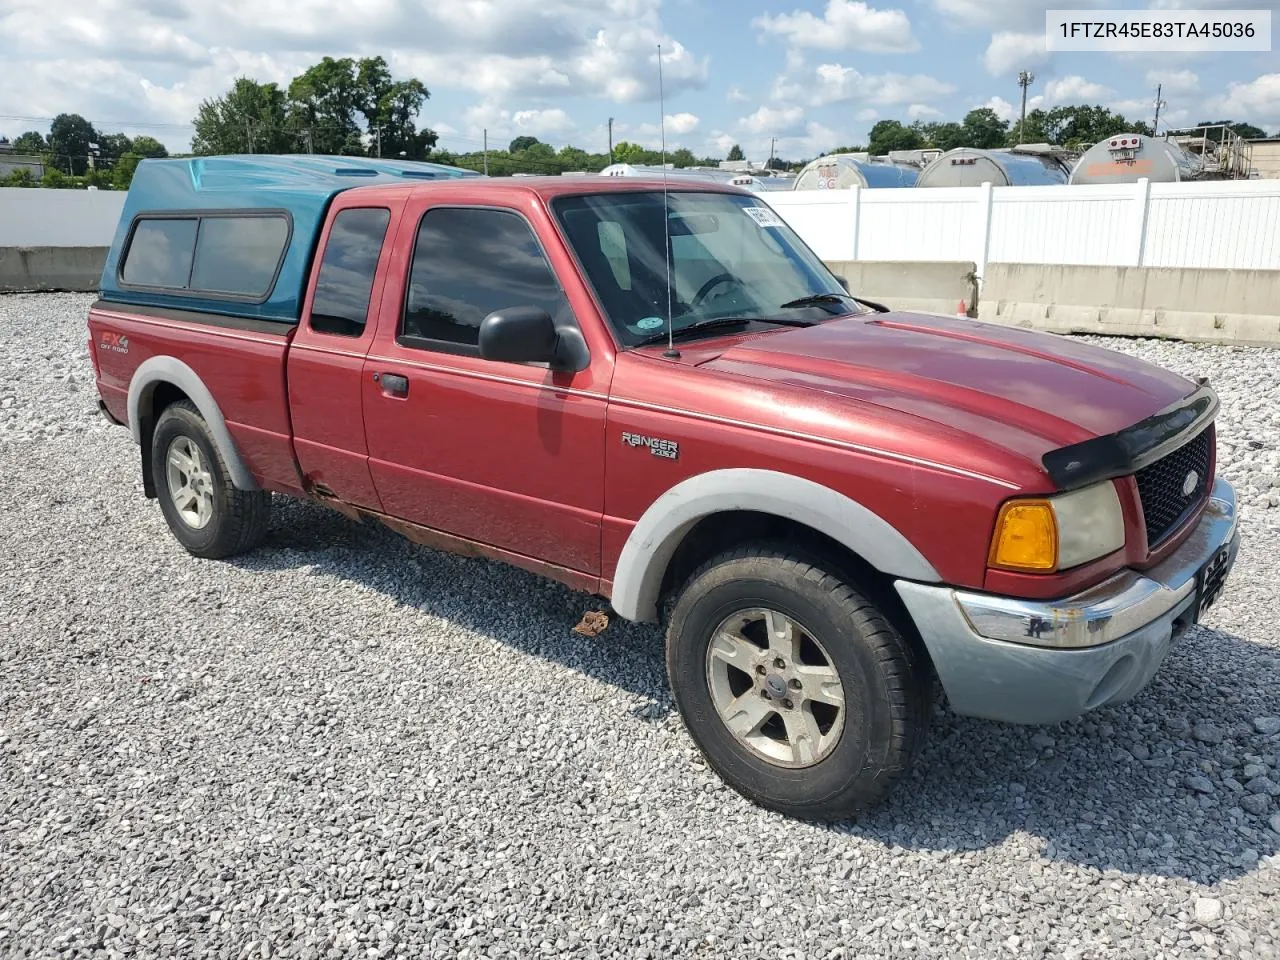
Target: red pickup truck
point(658, 395)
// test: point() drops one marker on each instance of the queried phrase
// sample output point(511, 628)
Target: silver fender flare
point(659, 531)
point(164, 369)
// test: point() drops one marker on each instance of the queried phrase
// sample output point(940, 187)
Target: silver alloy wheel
point(775, 687)
point(190, 483)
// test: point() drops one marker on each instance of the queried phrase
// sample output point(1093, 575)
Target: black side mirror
point(519, 335)
point(842, 281)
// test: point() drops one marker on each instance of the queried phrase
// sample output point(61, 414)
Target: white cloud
point(1008, 52)
point(1256, 102)
point(735, 95)
point(922, 111)
point(681, 124)
point(833, 83)
point(867, 115)
point(1076, 89)
point(153, 61)
point(1174, 81)
point(844, 25)
point(1010, 111)
point(541, 123)
point(772, 121)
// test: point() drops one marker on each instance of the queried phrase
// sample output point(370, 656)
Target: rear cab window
point(348, 268)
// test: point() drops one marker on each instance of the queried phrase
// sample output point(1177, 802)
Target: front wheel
point(203, 508)
point(798, 691)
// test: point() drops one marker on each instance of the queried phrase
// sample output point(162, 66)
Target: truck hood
point(1024, 390)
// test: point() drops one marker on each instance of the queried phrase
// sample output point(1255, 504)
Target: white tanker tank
point(844, 171)
point(1129, 157)
point(1023, 166)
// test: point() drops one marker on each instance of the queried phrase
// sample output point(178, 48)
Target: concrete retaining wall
point(27, 269)
point(928, 287)
point(59, 218)
point(1213, 306)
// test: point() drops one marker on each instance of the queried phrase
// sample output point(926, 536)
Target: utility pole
point(1155, 128)
point(308, 136)
point(1025, 79)
point(248, 134)
point(486, 151)
point(378, 133)
point(611, 141)
point(773, 142)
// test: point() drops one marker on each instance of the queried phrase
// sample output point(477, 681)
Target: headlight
point(1047, 534)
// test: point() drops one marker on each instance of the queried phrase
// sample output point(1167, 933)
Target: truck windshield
point(731, 256)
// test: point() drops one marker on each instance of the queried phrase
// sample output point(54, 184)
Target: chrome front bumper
point(1041, 662)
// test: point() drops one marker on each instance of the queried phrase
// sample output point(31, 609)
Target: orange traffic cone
point(962, 310)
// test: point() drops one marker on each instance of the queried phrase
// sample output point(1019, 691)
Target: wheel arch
point(167, 377)
point(645, 564)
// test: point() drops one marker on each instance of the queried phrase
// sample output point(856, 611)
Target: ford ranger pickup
point(656, 394)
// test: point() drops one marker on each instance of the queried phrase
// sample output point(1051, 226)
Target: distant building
point(11, 162)
point(1266, 157)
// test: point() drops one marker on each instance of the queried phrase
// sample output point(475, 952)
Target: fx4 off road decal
point(667, 449)
point(114, 342)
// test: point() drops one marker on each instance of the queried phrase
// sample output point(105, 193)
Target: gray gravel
point(349, 746)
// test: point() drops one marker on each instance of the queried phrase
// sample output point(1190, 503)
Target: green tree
point(624, 151)
point(113, 146)
point(149, 147)
point(390, 109)
point(890, 135)
point(1078, 126)
point(683, 158)
point(735, 153)
point(943, 136)
point(69, 137)
point(55, 179)
point(249, 118)
point(123, 170)
point(22, 177)
point(323, 103)
point(855, 148)
point(1246, 130)
point(30, 144)
point(522, 143)
point(983, 129)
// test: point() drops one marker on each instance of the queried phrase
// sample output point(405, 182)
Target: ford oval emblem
point(1190, 484)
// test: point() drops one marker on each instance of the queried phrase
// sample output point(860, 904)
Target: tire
point(834, 762)
point(205, 511)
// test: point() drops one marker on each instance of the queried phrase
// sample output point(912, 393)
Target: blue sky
point(813, 73)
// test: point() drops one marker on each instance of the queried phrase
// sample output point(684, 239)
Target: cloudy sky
point(813, 73)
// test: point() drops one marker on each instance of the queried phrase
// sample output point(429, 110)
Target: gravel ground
point(347, 745)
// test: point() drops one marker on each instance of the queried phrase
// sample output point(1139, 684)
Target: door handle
point(393, 384)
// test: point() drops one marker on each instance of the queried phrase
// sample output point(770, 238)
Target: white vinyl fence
point(1234, 224)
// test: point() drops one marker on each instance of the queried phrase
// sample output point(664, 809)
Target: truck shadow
point(1111, 791)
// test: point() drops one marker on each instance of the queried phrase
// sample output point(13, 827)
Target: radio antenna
point(671, 350)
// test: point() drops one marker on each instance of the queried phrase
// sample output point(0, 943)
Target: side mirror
point(519, 335)
point(843, 281)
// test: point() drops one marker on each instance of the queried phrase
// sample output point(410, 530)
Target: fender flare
point(164, 369)
point(659, 531)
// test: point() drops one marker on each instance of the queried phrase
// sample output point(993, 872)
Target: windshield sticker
point(763, 216)
point(650, 323)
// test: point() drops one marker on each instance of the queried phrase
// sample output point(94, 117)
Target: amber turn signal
point(1026, 537)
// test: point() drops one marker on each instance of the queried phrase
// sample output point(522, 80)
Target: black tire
point(238, 519)
point(885, 680)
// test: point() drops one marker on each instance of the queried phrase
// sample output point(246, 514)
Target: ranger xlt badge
point(658, 447)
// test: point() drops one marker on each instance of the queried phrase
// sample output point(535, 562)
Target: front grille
point(1162, 486)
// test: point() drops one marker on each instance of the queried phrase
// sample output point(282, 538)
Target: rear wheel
point(204, 510)
point(800, 693)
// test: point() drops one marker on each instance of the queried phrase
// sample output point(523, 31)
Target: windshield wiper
point(715, 323)
point(816, 299)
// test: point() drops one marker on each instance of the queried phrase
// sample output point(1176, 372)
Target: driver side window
point(467, 263)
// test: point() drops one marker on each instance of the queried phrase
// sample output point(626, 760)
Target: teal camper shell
point(247, 209)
